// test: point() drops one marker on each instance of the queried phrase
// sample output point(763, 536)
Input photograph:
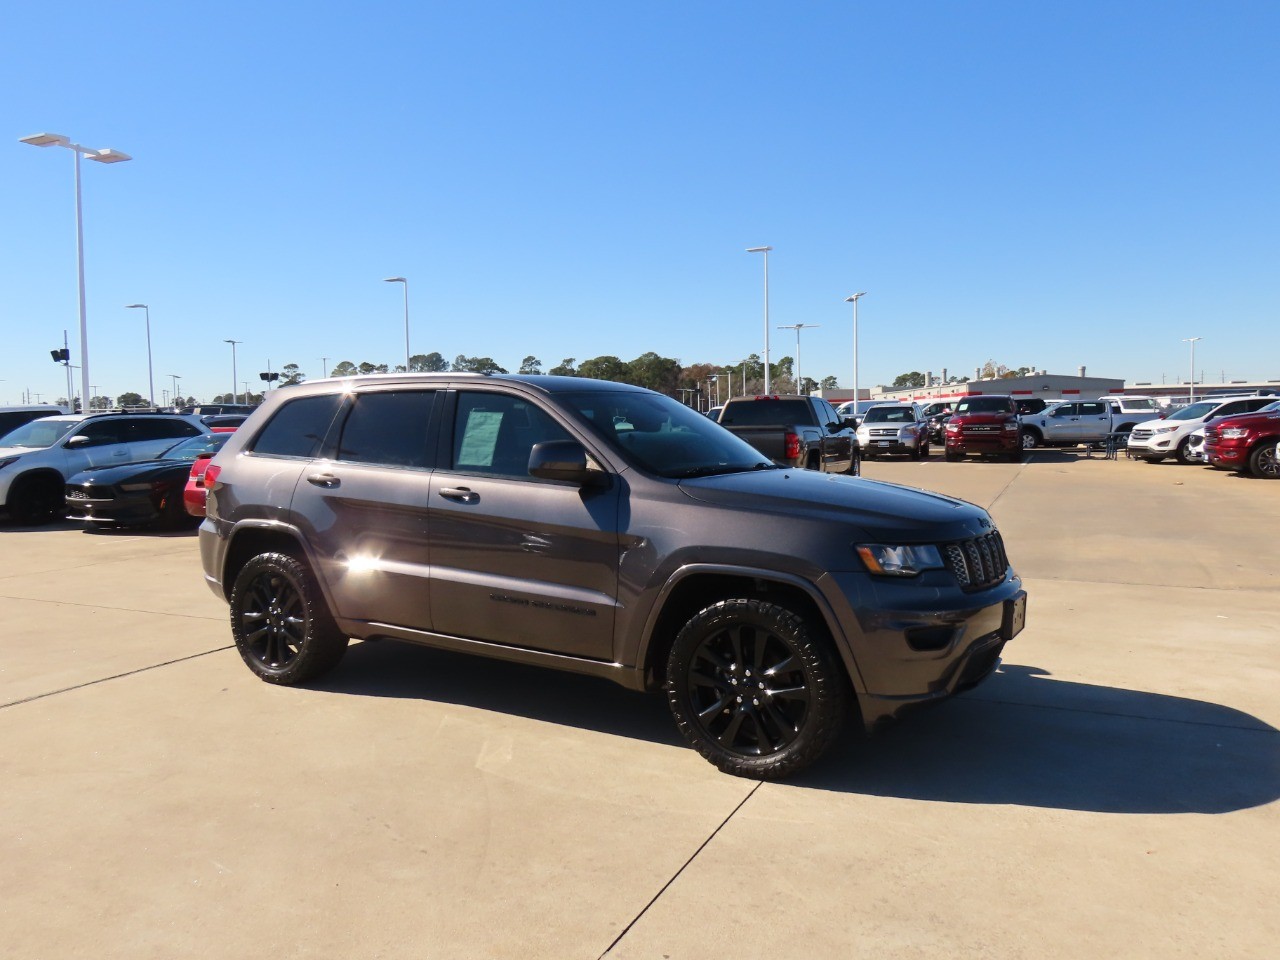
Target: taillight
point(793, 446)
point(211, 475)
point(198, 468)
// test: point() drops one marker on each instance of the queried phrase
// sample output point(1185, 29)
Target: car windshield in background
point(1193, 412)
point(1271, 408)
point(983, 405)
point(890, 415)
point(38, 434)
point(191, 448)
point(663, 436)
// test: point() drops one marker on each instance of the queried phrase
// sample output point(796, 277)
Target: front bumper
point(122, 509)
point(984, 443)
point(922, 640)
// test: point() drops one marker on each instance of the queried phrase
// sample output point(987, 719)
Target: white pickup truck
point(1073, 422)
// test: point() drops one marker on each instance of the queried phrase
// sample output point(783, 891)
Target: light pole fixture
point(101, 156)
point(406, 315)
point(234, 381)
point(176, 378)
point(150, 379)
point(797, 327)
point(854, 300)
point(765, 251)
point(1192, 341)
point(324, 362)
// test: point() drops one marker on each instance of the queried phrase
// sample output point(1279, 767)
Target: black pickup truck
point(803, 432)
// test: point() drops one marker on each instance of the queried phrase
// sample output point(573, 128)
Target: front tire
point(1263, 463)
point(36, 501)
point(281, 624)
point(855, 465)
point(1181, 452)
point(756, 689)
point(1030, 439)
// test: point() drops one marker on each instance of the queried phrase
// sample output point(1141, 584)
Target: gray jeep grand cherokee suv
point(605, 529)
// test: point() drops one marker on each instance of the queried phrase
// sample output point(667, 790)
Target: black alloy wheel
point(756, 689)
point(1263, 463)
point(280, 622)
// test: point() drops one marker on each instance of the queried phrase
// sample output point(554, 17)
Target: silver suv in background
point(894, 428)
point(37, 458)
point(608, 530)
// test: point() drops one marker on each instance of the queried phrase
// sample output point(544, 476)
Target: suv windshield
point(1194, 412)
point(663, 436)
point(890, 415)
point(983, 405)
point(38, 433)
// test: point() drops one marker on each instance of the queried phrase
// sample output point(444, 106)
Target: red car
point(984, 424)
point(194, 493)
point(1246, 442)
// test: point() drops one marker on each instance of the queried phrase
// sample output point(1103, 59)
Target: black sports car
point(148, 491)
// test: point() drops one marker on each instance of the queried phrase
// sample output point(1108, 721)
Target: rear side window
point(1093, 409)
point(388, 428)
point(298, 428)
point(159, 428)
point(754, 413)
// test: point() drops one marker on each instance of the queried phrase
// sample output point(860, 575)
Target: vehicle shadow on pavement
point(388, 668)
point(1028, 740)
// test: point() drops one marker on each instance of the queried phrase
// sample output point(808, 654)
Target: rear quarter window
point(298, 428)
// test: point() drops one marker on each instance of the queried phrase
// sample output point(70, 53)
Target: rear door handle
point(326, 480)
point(460, 494)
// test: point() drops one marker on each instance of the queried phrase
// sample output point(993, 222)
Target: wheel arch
point(695, 587)
point(249, 539)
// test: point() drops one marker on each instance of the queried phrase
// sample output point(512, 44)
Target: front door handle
point(326, 480)
point(460, 494)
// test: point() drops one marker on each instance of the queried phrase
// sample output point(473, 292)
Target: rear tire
point(281, 624)
point(756, 689)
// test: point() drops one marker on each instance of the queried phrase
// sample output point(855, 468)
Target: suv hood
point(884, 512)
point(7, 452)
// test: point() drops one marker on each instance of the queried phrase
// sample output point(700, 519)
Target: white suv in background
point(37, 457)
point(1154, 440)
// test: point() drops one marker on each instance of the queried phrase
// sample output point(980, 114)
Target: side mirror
point(560, 460)
point(80, 440)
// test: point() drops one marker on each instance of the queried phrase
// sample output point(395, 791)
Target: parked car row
point(121, 469)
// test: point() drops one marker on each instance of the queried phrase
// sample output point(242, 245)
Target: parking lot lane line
point(674, 877)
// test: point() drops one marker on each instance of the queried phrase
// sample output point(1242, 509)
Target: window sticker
point(480, 438)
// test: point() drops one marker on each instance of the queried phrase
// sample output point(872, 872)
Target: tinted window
point(493, 433)
point(827, 413)
point(159, 428)
point(1093, 409)
point(299, 427)
point(388, 428)
point(104, 431)
point(751, 413)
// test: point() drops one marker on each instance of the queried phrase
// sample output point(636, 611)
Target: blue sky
point(1047, 184)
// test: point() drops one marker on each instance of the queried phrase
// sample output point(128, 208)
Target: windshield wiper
point(711, 470)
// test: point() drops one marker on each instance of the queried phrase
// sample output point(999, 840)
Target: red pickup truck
point(984, 424)
point(1246, 443)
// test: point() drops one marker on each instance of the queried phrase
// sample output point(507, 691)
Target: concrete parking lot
point(1111, 792)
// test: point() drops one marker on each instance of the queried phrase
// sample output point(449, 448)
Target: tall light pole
point(1192, 341)
point(797, 327)
point(150, 379)
point(406, 315)
point(324, 362)
point(234, 381)
point(854, 300)
point(176, 378)
point(765, 251)
point(101, 156)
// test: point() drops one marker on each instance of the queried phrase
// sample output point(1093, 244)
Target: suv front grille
point(884, 432)
point(1141, 434)
point(982, 428)
point(977, 563)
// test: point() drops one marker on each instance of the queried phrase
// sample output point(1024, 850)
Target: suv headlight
point(899, 561)
point(1169, 429)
